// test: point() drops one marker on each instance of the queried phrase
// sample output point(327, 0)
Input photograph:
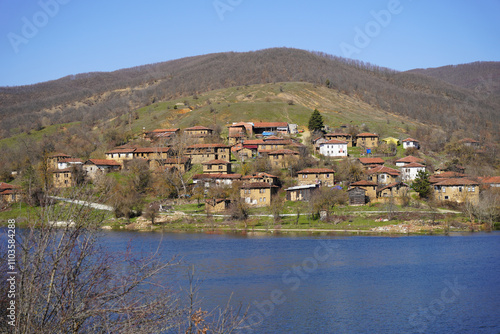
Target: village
point(265, 161)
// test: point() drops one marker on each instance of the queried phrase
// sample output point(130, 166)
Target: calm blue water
point(416, 284)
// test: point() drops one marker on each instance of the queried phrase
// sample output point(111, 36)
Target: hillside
point(93, 97)
point(481, 77)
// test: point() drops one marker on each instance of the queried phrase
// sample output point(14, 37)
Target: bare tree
point(68, 282)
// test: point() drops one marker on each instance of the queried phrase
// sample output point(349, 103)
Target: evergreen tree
point(315, 121)
point(421, 184)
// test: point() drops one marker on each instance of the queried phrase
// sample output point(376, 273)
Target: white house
point(409, 171)
point(410, 142)
point(68, 162)
point(333, 148)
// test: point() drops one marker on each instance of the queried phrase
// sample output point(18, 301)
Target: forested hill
point(482, 77)
point(93, 96)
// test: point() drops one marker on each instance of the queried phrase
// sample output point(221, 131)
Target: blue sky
point(48, 39)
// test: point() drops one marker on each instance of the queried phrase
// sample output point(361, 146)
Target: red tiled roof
point(253, 142)
point(367, 161)
point(363, 183)
point(456, 182)
point(315, 170)
point(490, 179)
point(216, 162)
point(366, 134)
point(383, 169)
point(409, 159)
point(410, 139)
point(9, 191)
point(4, 185)
point(103, 162)
point(121, 150)
point(270, 124)
point(449, 174)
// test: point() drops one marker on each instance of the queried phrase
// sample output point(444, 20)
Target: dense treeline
point(93, 96)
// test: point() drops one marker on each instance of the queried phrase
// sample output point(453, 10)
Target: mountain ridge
point(102, 95)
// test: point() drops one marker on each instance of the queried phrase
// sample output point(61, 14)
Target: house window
point(460, 189)
point(327, 175)
point(473, 189)
point(220, 167)
point(304, 176)
point(444, 190)
point(446, 197)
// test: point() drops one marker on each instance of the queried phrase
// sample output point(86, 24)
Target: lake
point(332, 284)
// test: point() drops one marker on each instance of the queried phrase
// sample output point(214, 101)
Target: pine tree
point(315, 121)
point(421, 184)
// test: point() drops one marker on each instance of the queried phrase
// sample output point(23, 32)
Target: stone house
point(9, 193)
point(200, 153)
point(198, 133)
point(282, 158)
point(261, 177)
point(394, 191)
point(152, 153)
point(95, 167)
point(367, 140)
point(319, 176)
point(258, 193)
point(457, 190)
point(63, 178)
point(383, 175)
point(182, 164)
point(217, 167)
point(216, 205)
